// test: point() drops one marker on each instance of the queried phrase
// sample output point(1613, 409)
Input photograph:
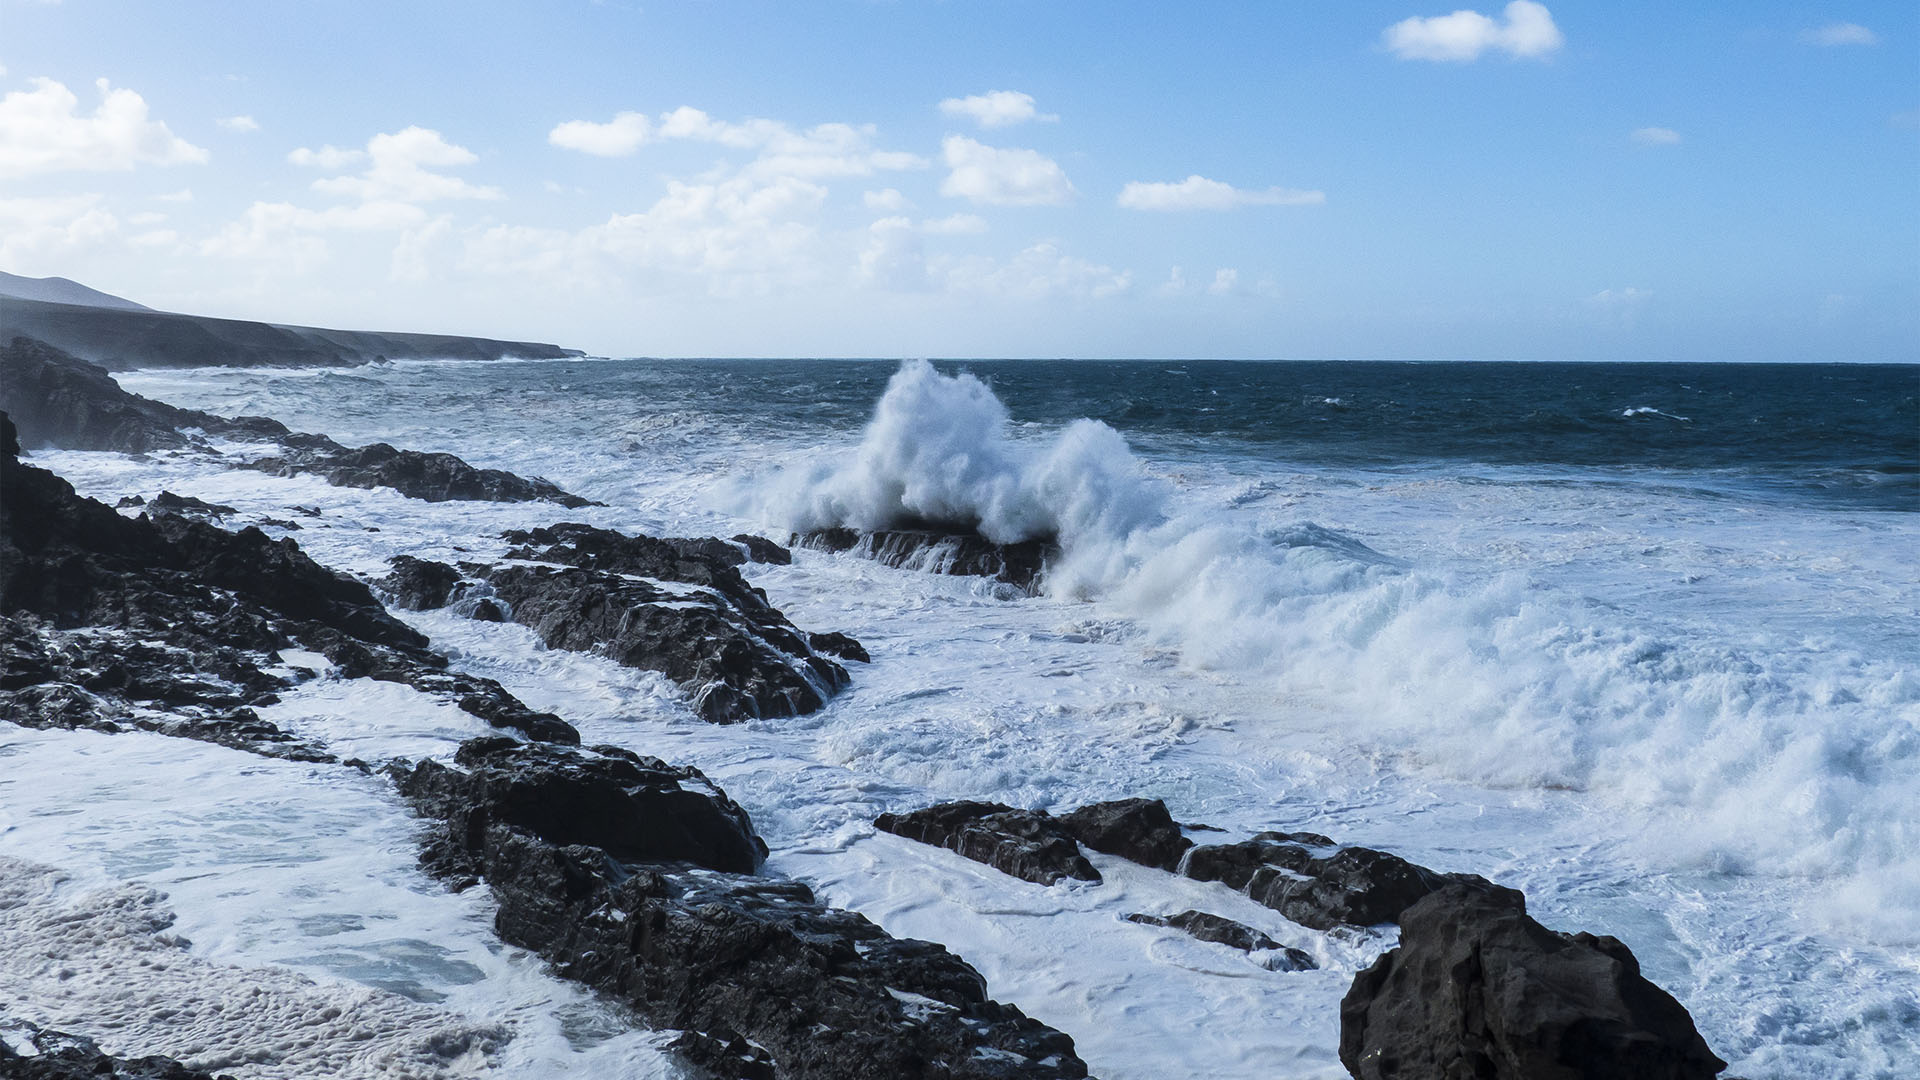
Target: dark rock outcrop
point(764, 979)
point(1238, 935)
point(1138, 829)
point(172, 624)
point(834, 643)
point(939, 551)
point(58, 399)
point(1028, 844)
point(736, 654)
point(1477, 990)
point(417, 475)
point(46, 1054)
point(1317, 883)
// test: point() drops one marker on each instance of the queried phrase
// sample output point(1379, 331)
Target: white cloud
point(1199, 193)
point(241, 124)
point(894, 258)
point(1656, 136)
point(51, 227)
point(43, 131)
point(1225, 280)
point(1527, 30)
point(995, 108)
point(184, 195)
point(400, 169)
point(1176, 283)
point(885, 199)
point(1002, 177)
point(292, 236)
point(155, 238)
point(331, 158)
point(146, 217)
point(954, 225)
point(618, 137)
point(410, 254)
point(1040, 272)
point(1845, 33)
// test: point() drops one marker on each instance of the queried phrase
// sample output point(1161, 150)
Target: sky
point(1344, 179)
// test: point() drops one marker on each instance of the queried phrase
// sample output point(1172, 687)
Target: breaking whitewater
point(1638, 642)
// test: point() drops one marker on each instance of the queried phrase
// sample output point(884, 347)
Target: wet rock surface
point(174, 625)
point(58, 399)
point(1028, 844)
point(1477, 990)
point(1320, 884)
point(31, 1052)
point(1224, 931)
point(676, 606)
point(940, 551)
point(1140, 830)
point(765, 979)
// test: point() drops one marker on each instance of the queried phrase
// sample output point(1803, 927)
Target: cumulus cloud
point(184, 195)
point(42, 130)
point(49, 227)
point(1001, 176)
point(1844, 33)
point(331, 158)
point(1225, 280)
point(1526, 30)
point(292, 236)
point(822, 151)
point(1199, 193)
point(995, 108)
point(1040, 272)
point(954, 225)
point(1656, 136)
point(618, 137)
point(885, 199)
point(241, 124)
point(400, 168)
point(411, 253)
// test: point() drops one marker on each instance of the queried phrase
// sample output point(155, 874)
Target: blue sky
point(1342, 179)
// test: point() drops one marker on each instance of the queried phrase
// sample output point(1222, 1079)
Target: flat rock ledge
point(941, 551)
point(677, 606)
point(633, 877)
point(168, 623)
point(58, 399)
point(31, 1052)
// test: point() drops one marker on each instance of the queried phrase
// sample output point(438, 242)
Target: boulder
point(1477, 990)
point(1028, 844)
point(1138, 829)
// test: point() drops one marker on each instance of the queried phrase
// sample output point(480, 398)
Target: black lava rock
point(1138, 829)
point(1028, 844)
point(941, 551)
point(1238, 935)
point(1317, 883)
point(60, 1056)
point(1479, 991)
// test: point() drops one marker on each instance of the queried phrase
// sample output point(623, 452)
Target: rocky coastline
point(644, 880)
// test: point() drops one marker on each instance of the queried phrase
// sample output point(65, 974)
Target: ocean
point(1638, 639)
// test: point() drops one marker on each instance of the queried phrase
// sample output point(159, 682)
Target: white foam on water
point(1680, 719)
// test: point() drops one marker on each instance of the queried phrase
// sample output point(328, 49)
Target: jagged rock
point(58, 399)
point(941, 552)
point(187, 506)
point(425, 476)
point(735, 653)
point(762, 550)
point(1138, 829)
point(1317, 883)
point(169, 624)
point(31, 1052)
point(841, 645)
point(757, 971)
point(1224, 931)
point(1028, 844)
point(1477, 990)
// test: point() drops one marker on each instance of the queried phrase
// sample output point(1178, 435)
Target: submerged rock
point(1238, 935)
point(1479, 991)
point(1317, 883)
point(1028, 844)
point(765, 979)
point(426, 476)
point(31, 1052)
point(937, 551)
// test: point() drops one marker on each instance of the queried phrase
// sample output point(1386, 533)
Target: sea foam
point(1786, 758)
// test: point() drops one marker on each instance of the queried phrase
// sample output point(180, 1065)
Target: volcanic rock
point(1028, 844)
point(31, 1052)
point(1238, 935)
point(1138, 829)
point(1477, 990)
point(1317, 883)
point(417, 475)
point(941, 551)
